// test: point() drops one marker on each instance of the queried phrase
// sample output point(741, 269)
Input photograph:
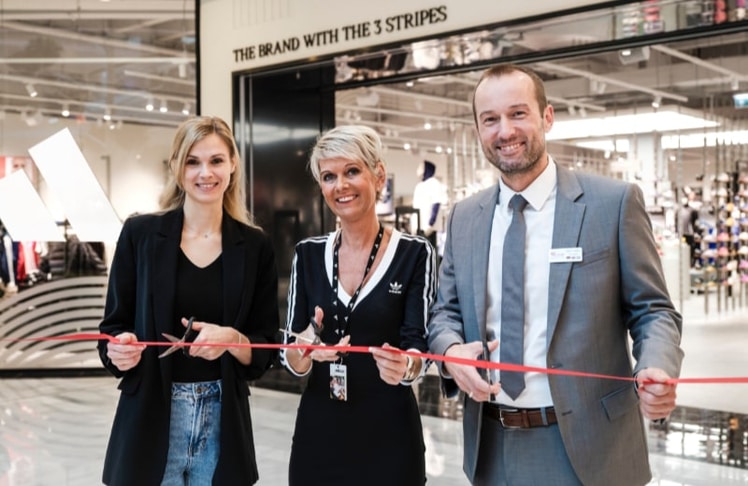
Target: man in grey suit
point(592, 280)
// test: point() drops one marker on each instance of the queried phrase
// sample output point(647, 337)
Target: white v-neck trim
point(376, 276)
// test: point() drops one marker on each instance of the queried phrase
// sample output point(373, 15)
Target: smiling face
point(207, 171)
point(349, 187)
point(511, 125)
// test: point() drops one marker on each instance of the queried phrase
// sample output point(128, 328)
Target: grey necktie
point(512, 343)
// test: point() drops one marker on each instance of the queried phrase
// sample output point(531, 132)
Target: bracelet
point(409, 370)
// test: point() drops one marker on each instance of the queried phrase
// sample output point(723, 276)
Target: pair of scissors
point(188, 335)
point(317, 328)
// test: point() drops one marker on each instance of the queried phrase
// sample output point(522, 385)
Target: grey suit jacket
point(617, 291)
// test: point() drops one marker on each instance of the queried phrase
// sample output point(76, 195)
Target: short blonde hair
point(188, 133)
point(351, 142)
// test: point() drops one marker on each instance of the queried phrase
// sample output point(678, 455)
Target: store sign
point(250, 34)
point(69, 177)
point(23, 212)
point(370, 29)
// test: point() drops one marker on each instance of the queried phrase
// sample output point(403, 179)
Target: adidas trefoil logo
point(396, 288)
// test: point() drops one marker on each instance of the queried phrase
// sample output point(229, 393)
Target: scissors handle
point(316, 326)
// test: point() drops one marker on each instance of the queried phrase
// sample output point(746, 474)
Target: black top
point(199, 293)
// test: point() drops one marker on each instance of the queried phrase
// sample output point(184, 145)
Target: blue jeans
point(194, 434)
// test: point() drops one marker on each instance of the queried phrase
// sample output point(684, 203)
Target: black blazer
point(140, 299)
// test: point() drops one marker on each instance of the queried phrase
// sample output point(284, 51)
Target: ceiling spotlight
point(598, 87)
point(149, 104)
point(427, 126)
point(656, 102)
point(29, 118)
point(370, 98)
point(186, 107)
point(65, 110)
point(31, 90)
point(633, 55)
point(406, 146)
point(107, 114)
point(163, 108)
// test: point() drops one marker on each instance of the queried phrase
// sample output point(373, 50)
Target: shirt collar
point(539, 190)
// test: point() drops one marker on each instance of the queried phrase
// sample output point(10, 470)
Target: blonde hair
point(188, 133)
point(351, 142)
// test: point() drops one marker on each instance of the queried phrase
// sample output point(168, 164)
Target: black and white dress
point(374, 436)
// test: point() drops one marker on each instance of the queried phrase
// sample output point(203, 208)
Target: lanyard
point(335, 268)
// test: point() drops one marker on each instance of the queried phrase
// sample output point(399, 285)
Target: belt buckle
point(501, 418)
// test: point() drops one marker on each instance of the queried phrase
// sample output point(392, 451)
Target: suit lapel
point(166, 249)
point(566, 229)
point(480, 234)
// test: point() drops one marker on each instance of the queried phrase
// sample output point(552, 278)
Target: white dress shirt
point(541, 198)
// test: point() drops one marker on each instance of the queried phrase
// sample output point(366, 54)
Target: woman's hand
point(125, 354)
point(208, 333)
point(392, 366)
point(331, 354)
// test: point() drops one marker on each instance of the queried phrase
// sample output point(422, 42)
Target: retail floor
point(54, 431)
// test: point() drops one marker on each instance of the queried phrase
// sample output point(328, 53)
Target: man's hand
point(656, 397)
point(467, 377)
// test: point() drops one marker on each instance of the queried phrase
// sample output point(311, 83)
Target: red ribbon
point(367, 349)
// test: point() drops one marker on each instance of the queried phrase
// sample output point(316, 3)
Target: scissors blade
point(300, 337)
point(170, 349)
point(171, 338)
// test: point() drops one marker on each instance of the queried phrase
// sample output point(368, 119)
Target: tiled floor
point(54, 431)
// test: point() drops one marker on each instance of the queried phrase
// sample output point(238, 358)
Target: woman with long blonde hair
point(200, 271)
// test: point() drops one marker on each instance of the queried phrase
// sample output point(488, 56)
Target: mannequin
point(429, 196)
point(688, 217)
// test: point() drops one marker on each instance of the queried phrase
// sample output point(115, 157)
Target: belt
point(520, 418)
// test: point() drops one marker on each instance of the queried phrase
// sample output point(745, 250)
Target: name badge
point(565, 255)
point(338, 382)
